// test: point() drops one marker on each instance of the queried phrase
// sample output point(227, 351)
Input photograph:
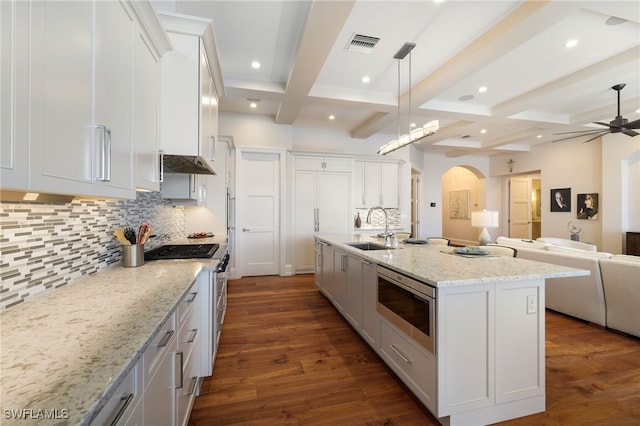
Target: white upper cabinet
point(190, 85)
point(14, 92)
point(375, 184)
point(146, 74)
point(81, 99)
point(67, 123)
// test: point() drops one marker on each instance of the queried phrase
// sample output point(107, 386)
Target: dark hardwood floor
point(287, 357)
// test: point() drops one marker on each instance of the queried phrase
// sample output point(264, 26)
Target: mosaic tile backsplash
point(44, 246)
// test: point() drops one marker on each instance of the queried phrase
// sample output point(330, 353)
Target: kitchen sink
point(368, 246)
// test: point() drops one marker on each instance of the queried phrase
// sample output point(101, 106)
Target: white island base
point(489, 360)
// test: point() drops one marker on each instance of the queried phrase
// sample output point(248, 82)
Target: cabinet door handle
point(343, 267)
point(179, 367)
point(192, 388)
point(161, 165)
point(125, 400)
point(212, 148)
point(165, 340)
point(193, 297)
point(193, 336)
point(103, 154)
point(397, 351)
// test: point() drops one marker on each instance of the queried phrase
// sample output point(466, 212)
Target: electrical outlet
point(532, 304)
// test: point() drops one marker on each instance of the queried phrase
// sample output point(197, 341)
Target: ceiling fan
point(617, 125)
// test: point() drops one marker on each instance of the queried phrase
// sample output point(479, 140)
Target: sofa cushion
point(563, 242)
point(520, 243)
point(578, 252)
point(581, 297)
point(626, 258)
point(621, 282)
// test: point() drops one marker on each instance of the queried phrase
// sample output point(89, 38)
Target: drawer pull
point(397, 351)
point(193, 336)
point(180, 367)
point(192, 388)
point(193, 297)
point(125, 400)
point(165, 340)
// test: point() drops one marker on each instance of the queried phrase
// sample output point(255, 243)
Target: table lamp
point(484, 219)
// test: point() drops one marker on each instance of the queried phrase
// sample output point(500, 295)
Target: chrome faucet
point(388, 235)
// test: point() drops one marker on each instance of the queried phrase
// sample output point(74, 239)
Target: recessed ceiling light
point(366, 79)
point(482, 89)
point(571, 43)
point(539, 136)
point(332, 117)
point(253, 103)
point(412, 125)
point(638, 110)
point(255, 65)
point(483, 131)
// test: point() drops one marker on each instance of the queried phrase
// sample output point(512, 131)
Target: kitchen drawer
point(415, 366)
point(163, 342)
point(190, 299)
point(123, 401)
point(189, 334)
point(186, 388)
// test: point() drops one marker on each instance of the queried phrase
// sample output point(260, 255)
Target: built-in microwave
point(409, 305)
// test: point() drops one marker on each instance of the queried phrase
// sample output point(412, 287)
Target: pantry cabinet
point(375, 184)
point(322, 204)
point(190, 84)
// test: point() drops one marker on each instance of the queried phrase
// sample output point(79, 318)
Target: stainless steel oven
point(409, 305)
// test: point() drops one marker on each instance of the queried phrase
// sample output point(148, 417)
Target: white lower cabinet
point(123, 403)
point(370, 316)
point(415, 366)
point(162, 386)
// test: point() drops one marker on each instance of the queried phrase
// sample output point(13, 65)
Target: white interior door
point(258, 213)
point(520, 207)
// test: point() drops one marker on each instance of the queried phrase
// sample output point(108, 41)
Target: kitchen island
point(66, 352)
point(486, 360)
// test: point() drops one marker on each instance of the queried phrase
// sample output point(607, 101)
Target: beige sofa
point(609, 296)
point(621, 281)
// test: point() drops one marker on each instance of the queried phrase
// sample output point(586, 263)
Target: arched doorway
point(464, 190)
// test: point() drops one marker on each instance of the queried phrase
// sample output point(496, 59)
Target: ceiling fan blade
point(598, 133)
point(633, 125)
point(602, 124)
point(631, 133)
point(595, 137)
point(581, 131)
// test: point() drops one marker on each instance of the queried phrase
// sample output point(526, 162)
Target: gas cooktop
point(182, 251)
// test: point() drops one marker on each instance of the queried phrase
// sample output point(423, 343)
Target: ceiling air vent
point(361, 43)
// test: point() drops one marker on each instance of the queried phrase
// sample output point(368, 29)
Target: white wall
point(620, 199)
point(432, 167)
point(604, 166)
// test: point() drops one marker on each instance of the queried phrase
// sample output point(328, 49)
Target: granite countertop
point(439, 266)
point(69, 348)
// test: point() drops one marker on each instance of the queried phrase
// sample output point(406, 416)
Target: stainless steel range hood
point(186, 164)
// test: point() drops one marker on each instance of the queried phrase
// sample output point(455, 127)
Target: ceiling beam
point(323, 26)
point(525, 22)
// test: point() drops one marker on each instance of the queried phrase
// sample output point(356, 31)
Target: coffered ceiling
point(535, 86)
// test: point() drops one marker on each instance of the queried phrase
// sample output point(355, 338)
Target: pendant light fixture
point(416, 134)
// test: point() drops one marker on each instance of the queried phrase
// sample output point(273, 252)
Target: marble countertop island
point(440, 266)
point(67, 349)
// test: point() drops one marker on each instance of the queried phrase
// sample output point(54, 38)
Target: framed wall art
point(587, 207)
point(561, 200)
point(459, 204)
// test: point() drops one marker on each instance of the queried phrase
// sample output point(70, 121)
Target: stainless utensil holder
point(132, 255)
